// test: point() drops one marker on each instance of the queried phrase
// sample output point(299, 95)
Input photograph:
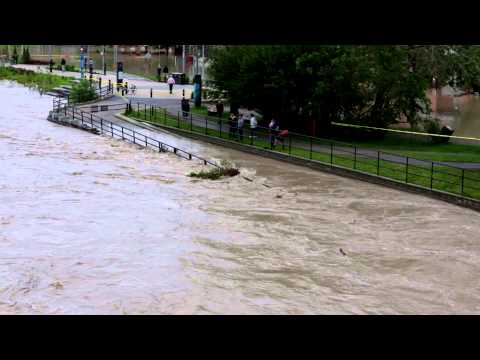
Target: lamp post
point(183, 59)
point(103, 61)
point(82, 59)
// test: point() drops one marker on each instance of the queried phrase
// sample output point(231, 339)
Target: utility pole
point(196, 61)
point(183, 59)
point(203, 61)
point(81, 62)
point(115, 56)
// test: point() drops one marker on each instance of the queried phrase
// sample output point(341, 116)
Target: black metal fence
point(429, 174)
point(90, 120)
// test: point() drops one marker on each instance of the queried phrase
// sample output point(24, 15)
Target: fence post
point(378, 163)
point(138, 109)
point(122, 134)
point(289, 144)
point(311, 146)
point(74, 116)
point(406, 171)
point(431, 176)
point(133, 131)
point(191, 122)
point(91, 120)
point(100, 83)
point(111, 129)
point(101, 125)
point(206, 125)
point(178, 119)
point(151, 92)
point(165, 115)
point(463, 178)
point(331, 153)
point(145, 111)
point(354, 158)
point(109, 85)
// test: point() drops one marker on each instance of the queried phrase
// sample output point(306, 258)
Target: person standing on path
point(185, 107)
point(63, 63)
point(253, 124)
point(171, 82)
point(232, 124)
point(165, 71)
point(51, 65)
point(240, 124)
point(273, 126)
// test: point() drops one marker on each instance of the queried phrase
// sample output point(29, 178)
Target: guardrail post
point(354, 157)
point(431, 176)
point(91, 120)
point(331, 153)
point(151, 92)
point(101, 125)
point(378, 163)
point(81, 117)
point(111, 129)
point(109, 85)
point(463, 178)
point(311, 146)
point(100, 84)
point(406, 171)
point(145, 111)
point(133, 131)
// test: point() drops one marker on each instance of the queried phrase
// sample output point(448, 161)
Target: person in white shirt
point(253, 124)
point(171, 82)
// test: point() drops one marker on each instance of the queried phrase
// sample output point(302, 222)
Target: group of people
point(236, 124)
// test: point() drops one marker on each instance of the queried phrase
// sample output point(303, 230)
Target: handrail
point(107, 127)
point(454, 177)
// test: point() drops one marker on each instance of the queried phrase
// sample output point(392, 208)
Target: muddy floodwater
point(91, 225)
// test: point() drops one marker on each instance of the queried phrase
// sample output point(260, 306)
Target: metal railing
point(90, 120)
point(434, 175)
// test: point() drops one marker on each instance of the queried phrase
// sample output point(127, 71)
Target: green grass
point(42, 82)
point(445, 178)
point(426, 150)
point(204, 112)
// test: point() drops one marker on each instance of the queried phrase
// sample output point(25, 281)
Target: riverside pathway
point(173, 107)
point(143, 85)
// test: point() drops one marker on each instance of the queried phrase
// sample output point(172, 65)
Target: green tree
point(82, 92)
point(372, 85)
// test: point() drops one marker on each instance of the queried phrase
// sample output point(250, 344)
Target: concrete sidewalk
point(143, 85)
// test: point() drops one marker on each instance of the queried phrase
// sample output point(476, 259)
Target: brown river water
point(91, 225)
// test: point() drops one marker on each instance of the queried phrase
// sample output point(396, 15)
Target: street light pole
point(81, 62)
point(203, 61)
point(183, 59)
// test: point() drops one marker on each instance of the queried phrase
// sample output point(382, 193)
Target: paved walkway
point(159, 90)
point(173, 107)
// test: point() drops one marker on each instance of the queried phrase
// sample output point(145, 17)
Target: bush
point(26, 56)
point(432, 126)
point(82, 92)
point(225, 169)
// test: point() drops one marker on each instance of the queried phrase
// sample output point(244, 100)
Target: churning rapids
point(91, 225)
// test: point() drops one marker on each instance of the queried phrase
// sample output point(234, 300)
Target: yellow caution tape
point(403, 131)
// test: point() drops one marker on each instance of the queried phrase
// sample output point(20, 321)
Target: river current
point(91, 225)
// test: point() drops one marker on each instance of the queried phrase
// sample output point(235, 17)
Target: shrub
point(225, 169)
point(26, 56)
point(82, 92)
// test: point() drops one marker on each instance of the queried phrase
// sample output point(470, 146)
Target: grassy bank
point(445, 178)
point(425, 150)
point(42, 82)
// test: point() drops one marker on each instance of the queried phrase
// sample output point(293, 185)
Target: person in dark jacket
point(232, 125)
point(63, 63)
point(185, 107)
point(219, 109)
point(51, 65)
